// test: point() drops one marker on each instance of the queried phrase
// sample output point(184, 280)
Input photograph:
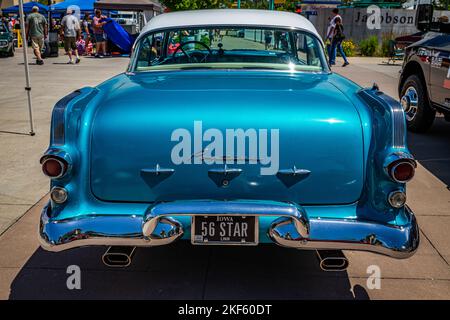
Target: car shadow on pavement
point(432, 149)
point(183, 271)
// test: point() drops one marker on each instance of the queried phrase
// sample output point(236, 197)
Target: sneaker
point(70, 62)
point(345, 64)
point(40, 62)
point(77, 61)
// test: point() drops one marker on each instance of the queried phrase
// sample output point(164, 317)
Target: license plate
point(233, 230)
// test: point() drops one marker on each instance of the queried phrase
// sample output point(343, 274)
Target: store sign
point(385, 16)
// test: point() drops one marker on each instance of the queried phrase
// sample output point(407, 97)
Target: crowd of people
point(85, 37)
point(79, 37)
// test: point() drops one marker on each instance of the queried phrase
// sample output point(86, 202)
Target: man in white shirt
point(72, 32)
point(331, 26)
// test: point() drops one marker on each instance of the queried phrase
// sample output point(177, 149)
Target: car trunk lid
point(319, 133)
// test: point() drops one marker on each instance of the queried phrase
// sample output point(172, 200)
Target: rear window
point(228, 47)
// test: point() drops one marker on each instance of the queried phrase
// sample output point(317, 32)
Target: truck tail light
point(54, 167)
point(402, 171)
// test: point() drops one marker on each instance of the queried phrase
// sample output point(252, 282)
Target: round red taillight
point(53, 168)
point(402, 171)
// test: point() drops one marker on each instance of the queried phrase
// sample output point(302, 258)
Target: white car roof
point(225, 17)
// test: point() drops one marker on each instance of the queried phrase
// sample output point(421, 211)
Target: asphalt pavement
point(182, 271)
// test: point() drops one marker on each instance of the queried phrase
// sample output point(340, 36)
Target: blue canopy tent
point(59, 9)
point(26, 8)
point(84, 5)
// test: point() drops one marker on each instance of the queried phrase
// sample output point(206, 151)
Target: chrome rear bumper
point(290, 228)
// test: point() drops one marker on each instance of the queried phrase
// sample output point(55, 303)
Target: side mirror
point(424, 16)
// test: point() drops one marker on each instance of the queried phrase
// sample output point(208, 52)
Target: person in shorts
point(36, 28)
point(71, 31)
point(99, 35)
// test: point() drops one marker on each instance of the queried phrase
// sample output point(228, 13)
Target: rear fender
point(388, 143)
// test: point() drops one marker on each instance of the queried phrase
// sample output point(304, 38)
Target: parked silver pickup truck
point(424, 86)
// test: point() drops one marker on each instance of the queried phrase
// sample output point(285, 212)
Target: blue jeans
point(336, 45)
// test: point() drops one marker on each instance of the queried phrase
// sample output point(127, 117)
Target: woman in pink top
point(99, 35)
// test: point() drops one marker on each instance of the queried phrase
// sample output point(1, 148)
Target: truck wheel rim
point(410, 101)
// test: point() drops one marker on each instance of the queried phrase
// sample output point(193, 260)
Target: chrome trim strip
point(330, 234)
point(396, 111)
point(399, 126)
point(58, 119)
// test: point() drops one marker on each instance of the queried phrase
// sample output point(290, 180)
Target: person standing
point(330, 30)
point(5, 22)
point(36, 28)
point(99, 35)
point(85, 25)
point(267, 39)
point(336, 42)
point(71, 31)
point(12, 23)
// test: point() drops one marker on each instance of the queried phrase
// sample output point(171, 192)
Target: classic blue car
point(229, 128)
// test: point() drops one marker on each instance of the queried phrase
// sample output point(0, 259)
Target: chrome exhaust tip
point(118, 256)
point(332, 260)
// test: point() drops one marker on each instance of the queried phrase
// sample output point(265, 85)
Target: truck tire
point(415, 103)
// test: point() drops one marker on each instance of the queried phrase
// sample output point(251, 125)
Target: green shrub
point(349, 47)
point(369, 47)
point(384, 51)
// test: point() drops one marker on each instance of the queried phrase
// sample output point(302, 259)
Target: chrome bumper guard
point(290, 228)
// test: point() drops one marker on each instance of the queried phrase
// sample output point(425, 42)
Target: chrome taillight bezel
point(394, 165)
point(62, 163)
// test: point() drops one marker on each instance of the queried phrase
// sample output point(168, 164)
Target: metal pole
point(271, 5)
point(49, 15)
point(239, 4)
point(25, 60)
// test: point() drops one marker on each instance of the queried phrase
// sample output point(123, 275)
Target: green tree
point(288, 5)
point(176, 5)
